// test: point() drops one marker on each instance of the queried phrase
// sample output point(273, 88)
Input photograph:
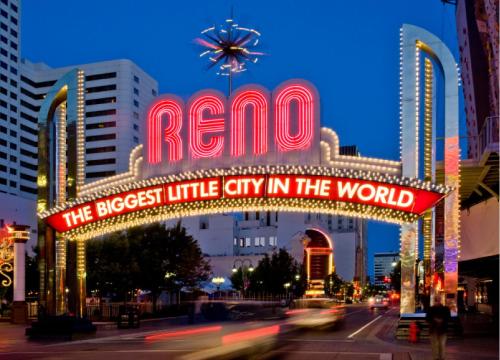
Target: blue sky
point(348, 49)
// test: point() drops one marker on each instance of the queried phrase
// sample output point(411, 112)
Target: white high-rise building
point(383, 266)
point(117, 94)
point(15, 203)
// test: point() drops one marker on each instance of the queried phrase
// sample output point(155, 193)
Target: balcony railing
point(488, 136)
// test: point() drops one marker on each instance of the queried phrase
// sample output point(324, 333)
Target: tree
point(32, 273)
point(168, 258)
point(149, 257)
point(112, 267)
point(333, 284)
point(272, 273)
point(396, 277)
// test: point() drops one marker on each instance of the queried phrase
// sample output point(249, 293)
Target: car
point(378, 301)
point(315, 313)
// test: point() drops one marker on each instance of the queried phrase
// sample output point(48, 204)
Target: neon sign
point(326, 188)
point(252, 123)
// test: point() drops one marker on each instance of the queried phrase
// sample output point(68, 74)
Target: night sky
point(348, 49)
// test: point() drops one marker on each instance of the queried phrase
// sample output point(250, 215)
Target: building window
point(101, 162)
point(235, 241)
point(29, 142)
point(28, 165)
point(28, 189)
point(102, 125)
point(100, 137)
point(105, 100)
point(100, 150)
point(136, 79)
point(203, 222)
point(136, 115)
point(153, 92)
point(98, 174)
point(136, 127)
point(248, 242)
point(28, 177)
point(110, 75)
point(136, 103)
point(262, 241)
point(242, 242)
point(136, 140)
point(96, 89)
point(136, 91)
point(256, 241)
point(100, 113)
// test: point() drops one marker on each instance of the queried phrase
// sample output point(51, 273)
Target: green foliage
point(333, 284)
point(147, 257)
point(271, 274)
point(32, 273)
point(372, 290)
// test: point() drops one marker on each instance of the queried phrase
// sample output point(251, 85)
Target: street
point(365, 334)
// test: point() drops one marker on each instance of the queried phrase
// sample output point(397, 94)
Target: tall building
point(15, 203)
point(117, 94)
point(383, 265)
point(477, 30)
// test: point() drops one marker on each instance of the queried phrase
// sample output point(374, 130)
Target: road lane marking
point(363, 327)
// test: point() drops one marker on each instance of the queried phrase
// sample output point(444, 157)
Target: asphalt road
point(354, 339)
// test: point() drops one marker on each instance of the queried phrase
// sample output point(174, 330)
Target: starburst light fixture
point(229, 48)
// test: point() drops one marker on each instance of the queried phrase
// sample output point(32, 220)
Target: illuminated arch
point(61, 174)
point(415, 41)
point(318, 247)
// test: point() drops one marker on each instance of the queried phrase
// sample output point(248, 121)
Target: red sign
point(358, 191)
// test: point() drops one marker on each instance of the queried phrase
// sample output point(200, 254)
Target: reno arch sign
point(256, 150)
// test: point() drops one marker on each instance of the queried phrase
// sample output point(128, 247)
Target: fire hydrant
point(413, 332)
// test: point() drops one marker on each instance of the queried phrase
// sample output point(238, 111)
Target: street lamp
point(241, 263)
point(286, 286)
point(394, 264)
point(218, 281)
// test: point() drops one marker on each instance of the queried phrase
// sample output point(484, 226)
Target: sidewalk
point(479, 341)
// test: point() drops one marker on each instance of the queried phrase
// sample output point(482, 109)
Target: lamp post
point(286, 286)
point(250, 269)
point(218, 280)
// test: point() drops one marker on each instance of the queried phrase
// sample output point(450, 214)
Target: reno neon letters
point(251, 123)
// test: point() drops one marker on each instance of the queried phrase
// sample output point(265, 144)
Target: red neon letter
point(305, 115)
point(238, 111)
point(198, 126)
point(173, 110)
